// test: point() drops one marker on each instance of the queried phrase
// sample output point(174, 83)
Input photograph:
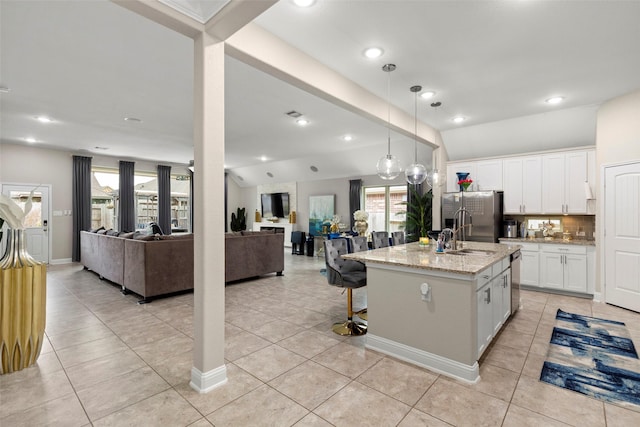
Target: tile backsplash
point(574, 224)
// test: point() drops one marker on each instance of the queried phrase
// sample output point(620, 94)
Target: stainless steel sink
point(474, 252)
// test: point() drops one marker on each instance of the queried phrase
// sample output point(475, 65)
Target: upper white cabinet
point(488, 175)
point(563, 183)
point(545, 183)
point(522, 185)
point(452, 178)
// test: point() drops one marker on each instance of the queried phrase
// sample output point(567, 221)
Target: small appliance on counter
point(510, 228)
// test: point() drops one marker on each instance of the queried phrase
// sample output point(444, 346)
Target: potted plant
point(238, 220)
point(418, 214)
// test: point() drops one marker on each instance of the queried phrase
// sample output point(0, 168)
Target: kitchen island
point(439, 311)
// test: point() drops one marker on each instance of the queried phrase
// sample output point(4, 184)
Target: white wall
point(35, 165)
point(32, 166)
point(617, 141)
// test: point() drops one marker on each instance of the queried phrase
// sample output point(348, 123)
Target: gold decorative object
point(258, 217)
point(22, 305)
point(361, 227)
point(292, 217)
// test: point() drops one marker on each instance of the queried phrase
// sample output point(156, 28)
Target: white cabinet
point(522, 185)
point(452, 178)
point(501, 299)
point(530, 265)
point(563, 178)
point(488, 175)
point(564, 267)
point(485, 317)
point(493, 300)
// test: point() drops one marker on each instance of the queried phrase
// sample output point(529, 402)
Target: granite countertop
point(413, 255)
point(544, 240)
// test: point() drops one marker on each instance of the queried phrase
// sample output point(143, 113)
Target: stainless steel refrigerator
point(484, 208)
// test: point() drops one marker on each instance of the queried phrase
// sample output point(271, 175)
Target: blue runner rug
point(595, 357)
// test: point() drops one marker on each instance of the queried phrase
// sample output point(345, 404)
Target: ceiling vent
point(294, 114)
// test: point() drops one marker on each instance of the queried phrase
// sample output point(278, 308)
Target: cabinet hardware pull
point(487, 295)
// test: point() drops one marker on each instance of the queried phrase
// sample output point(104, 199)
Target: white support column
point(209, 370)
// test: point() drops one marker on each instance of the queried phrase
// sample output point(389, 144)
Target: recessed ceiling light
point(43, 119)
point(30, 139)
point(302, 122)
point(459, 119)
point(555, 100)
point(269, 174)
point(313, 168)
point(264, 158)
point(428, 94)
point(294, 114)
point(4, 89)
point(347, 138)
point(304, 3)
point(133, 119)
point(373, 52)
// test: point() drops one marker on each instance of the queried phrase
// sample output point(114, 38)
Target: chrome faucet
point(459, 225)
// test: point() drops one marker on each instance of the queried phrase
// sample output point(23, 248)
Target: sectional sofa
point(152, 266)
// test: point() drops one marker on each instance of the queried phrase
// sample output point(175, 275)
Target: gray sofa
point(253, 253)
point(149, 268)
point(152, 268)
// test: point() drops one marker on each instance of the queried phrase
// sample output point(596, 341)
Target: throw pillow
point(112, 232)
point(103, 231)
point(95, 230)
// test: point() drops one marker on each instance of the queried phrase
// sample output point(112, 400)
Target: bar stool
point(397, 238)
point(380, 239)
point(345, 274)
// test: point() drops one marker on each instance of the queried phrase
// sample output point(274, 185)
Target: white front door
point(37, 221)
point(621, 249)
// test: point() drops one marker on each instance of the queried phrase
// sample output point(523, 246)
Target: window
point(382, 205)
point(104, 199)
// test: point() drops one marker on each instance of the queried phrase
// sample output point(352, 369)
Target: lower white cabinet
point(493, 300)
point(564, 267)
point(530, 265)
point(485, 317)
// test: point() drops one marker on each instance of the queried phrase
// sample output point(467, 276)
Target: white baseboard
point(433, 362)
point(60, 261)
point(207, 381)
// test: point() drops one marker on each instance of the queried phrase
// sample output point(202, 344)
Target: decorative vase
point(22, 305)
point(361, 227)
point(462, 176)
point(334, 228)
point(423, 241)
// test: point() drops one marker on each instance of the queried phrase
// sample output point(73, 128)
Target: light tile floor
point(110, 362)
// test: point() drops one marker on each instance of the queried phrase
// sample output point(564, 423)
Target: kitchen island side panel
point(445, 326)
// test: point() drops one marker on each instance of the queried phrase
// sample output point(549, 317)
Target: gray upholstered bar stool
point(397, 238)
point(380, 239)
point(345, 274)
point(359, 244)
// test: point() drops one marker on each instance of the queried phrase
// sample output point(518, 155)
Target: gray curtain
point(164, 198)
point(81, 202)
point(355, 196)
point(226, 204)
point(191, 199)
point(127, 205)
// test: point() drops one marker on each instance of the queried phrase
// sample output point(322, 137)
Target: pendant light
point(415, 173)
point(433, 178)
point(388, 167)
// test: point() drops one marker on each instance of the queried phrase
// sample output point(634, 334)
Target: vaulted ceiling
point(88, 65)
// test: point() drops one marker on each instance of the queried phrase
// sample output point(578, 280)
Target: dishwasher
point(515, 280)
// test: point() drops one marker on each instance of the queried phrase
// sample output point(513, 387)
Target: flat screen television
point(275, 205)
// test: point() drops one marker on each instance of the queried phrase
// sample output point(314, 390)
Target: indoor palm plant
point(418, 214)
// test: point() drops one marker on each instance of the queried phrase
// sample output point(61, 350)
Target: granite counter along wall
point(570, 223)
